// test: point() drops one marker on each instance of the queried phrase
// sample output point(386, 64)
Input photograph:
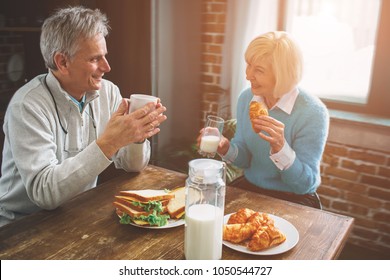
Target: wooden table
point(87, 227)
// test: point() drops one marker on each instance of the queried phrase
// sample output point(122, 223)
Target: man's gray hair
point(62, 32)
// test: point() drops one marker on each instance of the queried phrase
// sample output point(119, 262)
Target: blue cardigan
point(306, 131)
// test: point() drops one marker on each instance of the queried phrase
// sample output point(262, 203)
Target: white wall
point(176, 67)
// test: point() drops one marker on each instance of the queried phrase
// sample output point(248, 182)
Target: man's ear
point(61, 61)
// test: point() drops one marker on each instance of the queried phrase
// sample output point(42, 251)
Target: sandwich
point(150, 207)
point(143, 207)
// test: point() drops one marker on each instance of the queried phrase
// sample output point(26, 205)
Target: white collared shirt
point(285, 103)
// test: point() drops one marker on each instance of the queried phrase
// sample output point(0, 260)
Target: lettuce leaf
point(125, 219)
point(150, 205)
point(153, 219)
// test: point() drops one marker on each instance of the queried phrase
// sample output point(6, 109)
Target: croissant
point(257, 229)
point(241, 216)
point(265, 237)
point(236, 233)
point(257, 109)
point(260, 219)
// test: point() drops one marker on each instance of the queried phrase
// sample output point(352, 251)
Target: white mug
point(139, 100)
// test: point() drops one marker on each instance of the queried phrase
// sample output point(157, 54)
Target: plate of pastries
point(258, 233)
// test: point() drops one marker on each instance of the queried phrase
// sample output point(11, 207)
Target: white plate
point(292, 238)
point(171, 223)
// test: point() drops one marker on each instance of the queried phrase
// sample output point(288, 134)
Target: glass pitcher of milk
point(205, 202)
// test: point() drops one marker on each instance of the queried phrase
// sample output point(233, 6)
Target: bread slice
point(176, 205)
point(180, 215)
point(164, 202)
point(129, 201)
point(129, 211)
point(147, 195)
point(138, 222)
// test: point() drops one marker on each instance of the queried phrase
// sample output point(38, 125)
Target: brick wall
point(355, 180)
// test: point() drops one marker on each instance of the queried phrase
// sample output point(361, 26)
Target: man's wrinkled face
point(88, 66)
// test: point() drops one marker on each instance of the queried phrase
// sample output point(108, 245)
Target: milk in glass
point(203, 233)
point(209, 143)
point(211, 136)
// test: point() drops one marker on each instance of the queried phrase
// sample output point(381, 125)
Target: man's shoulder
point(31, 90)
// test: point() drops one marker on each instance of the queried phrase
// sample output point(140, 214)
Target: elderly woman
point(280, 152)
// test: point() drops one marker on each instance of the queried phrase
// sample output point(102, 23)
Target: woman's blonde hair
point(284, 55)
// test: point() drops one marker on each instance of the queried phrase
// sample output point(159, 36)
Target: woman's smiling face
point(259, 73)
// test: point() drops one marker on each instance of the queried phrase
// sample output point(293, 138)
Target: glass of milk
point(211, 136)
point(205, 202)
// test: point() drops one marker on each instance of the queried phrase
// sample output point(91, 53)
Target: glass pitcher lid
point(206, 170)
